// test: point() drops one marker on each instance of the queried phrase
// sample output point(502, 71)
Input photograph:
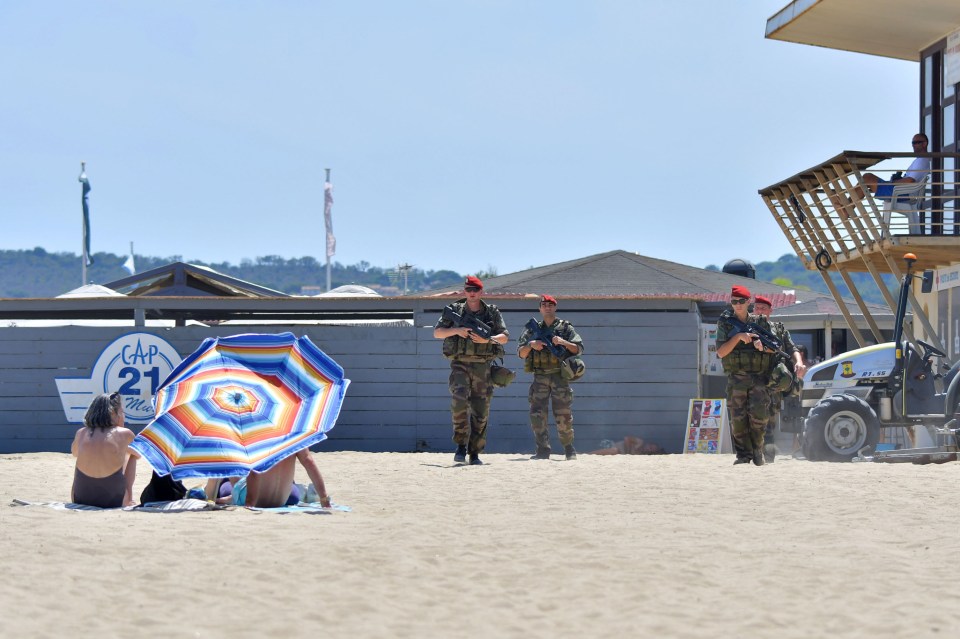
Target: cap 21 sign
point(133, 365)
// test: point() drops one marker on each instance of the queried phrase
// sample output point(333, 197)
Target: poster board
point(709, 362)
point(707, 425)
point(951, 59)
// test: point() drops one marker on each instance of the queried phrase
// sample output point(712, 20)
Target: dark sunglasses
point(472, 289)
point(737, 301)
point(916, 142)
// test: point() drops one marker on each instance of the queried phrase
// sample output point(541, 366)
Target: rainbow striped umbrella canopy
point(242, 403)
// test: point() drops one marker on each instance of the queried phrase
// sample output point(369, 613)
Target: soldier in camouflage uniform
point(747, 367)
point(470, 357)
point(548, 383)
point(781, 377)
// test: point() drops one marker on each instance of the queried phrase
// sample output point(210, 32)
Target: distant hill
point(789, 272)
point(37, 273)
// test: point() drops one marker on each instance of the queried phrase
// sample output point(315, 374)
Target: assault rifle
point(768, 339)
point(545, 335)
point(467, 320)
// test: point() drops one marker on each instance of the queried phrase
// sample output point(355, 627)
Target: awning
point(892, 29)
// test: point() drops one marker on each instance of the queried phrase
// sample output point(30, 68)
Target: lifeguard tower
point(827, 213)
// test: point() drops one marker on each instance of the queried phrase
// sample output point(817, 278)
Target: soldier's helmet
point(781, 379)
point(572, 368)
point(501, 376)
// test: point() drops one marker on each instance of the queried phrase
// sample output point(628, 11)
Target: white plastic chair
point(906, 198)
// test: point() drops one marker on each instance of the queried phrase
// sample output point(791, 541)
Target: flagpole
point(83, 233)
point(327, 236)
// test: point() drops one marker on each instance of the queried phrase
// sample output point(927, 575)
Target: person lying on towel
point(106, 465)
point(273, 488)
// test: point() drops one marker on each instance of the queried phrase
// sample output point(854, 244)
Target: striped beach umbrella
point(242, 403)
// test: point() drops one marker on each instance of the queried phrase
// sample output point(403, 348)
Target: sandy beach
point(671, 546)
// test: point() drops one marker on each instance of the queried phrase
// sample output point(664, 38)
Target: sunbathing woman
point(106, 466)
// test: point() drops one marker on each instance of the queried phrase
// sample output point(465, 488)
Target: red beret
point(760, 299)
point(740, 291)
point(548, 298)
point(473, 280)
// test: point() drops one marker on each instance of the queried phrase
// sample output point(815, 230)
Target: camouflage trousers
point(748, 400)
point(550, 388)
point(470, 391)
point(776, 397)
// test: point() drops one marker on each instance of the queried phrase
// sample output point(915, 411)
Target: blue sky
point(465, 135)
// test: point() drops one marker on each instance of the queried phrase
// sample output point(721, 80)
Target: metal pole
point(404, 268)
point(83, 238)
point(326, 252)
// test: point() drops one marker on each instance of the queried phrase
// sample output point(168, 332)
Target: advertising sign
point(947, 277)
point(706, 430)
point(951, 59)
point(709, 362)
point(133, 365)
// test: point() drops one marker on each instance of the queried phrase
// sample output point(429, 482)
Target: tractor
point(846, 400)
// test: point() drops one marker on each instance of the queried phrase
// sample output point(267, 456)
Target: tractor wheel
point(838, 427)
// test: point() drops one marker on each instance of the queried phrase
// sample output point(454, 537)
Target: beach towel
point(178, 506)
point(302, 507)
point(186, 505)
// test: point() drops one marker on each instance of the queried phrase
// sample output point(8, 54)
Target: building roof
point(629, 275)
point(350, 290)
point(179, 279)
point(888, 28)
point(826, 308)
point(91, 290)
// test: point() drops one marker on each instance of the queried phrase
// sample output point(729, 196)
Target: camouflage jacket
point(465, 349)
point(778, 329)
point(543, 361)
point(744, 358)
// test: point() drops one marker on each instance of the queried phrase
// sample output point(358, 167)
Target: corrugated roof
point(179, 279)
point(827, 306)
point(629, 275)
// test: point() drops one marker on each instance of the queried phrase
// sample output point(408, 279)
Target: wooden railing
point(836, 225)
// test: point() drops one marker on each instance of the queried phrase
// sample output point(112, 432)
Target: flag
point(87, 259)
point(328, 218)
point(129, 264)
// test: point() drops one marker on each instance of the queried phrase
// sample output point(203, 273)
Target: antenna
point(404, 268)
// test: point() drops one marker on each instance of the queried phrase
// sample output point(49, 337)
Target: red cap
point(473, 280)
point(760, 299)
point(740, 291)
point(548, 298)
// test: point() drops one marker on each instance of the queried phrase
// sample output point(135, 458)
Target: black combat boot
point(758, 456)
point(460, 457)
point(542, 453)
point(742, 459)
point(570, 452)
point(475, 460)
point(769, 453)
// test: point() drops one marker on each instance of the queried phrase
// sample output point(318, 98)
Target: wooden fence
point(642, 359)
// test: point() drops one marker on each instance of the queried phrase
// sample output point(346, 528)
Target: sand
point(628, 546)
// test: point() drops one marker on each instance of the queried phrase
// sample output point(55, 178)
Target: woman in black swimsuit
point(106, 466)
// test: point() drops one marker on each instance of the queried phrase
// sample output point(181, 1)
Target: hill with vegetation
point(37, 273)
point(789, 272)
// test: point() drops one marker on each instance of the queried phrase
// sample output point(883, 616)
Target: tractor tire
point(838, 427)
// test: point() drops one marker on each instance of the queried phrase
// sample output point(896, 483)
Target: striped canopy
point(242, 403)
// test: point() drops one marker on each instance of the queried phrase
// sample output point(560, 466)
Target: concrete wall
point(642, 359)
